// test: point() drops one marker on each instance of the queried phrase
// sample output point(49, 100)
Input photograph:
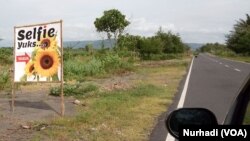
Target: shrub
point(6, 56)
point(113, 63)
point(76, 89)
point(164, 56)
point(94, 67)
point(5, 81)
point(108, 63)
point(76, 69)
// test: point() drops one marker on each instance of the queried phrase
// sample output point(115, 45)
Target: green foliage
point(6, 59)
point(128, 42)
point(6, 56)
point(89, 48)
point(239, 39)
point(217, 49)
point(111, 61)
point(76, 89)
point(149, 46)
point(112, 21)
point(70, 53)
point(147, 90)
point(143, 90)
point(96, 65)
point(171, 43)
point(165, 56)
point(76, 69)
point(5, 81)
point(159, 47)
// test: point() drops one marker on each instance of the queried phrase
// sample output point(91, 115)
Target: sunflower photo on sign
point(38, 52)
point(47, 62)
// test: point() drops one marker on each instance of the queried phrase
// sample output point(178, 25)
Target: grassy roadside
point(5, 82)
point(238, 58)
point(120, 114)
point(234, 57)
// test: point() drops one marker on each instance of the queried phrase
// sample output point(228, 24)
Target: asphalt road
point(213, 84)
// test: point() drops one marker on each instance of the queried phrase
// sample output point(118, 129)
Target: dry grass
point(122, 114)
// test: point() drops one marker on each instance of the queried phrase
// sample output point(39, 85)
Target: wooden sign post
point(38, 56)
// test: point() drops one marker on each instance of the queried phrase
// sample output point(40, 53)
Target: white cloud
point(194, 20)
point(79, 31)
point(141, 26)
point(198, 37)
point(205, 30)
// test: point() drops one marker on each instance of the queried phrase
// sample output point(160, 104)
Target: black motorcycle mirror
point(189, 116)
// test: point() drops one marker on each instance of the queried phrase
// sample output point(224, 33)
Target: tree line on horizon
point(237, 41)
point(113, 23)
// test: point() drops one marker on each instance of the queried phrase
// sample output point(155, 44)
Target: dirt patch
point(32, 104)
point(121, 82)
point(130, 79)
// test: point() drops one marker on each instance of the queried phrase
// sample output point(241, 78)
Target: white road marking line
point(184, 91)
point(237, 70)
point(227, 65)
point(182, 99)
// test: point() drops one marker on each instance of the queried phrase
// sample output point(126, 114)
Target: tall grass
point(76, 89)
point(95, 66)
point(76, 69)
point(6, 56)
point(112, 116)
point(5, 81)
point(120, 114)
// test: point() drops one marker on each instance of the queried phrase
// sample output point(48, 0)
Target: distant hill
point(81, 44)
point(73, 44)
point(194, 46)
point(96, 44)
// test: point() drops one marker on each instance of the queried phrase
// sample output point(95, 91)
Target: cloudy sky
point(197, 21)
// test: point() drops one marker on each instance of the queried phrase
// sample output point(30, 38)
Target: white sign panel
point(38, 52)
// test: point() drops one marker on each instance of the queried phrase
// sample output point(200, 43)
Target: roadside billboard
point(38, 51)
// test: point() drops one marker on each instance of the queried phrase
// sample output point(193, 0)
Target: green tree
point(239, 39)
point(149, 46)
point(112, 22)
point(216, 49)
point(128, 42)
point(171, 43)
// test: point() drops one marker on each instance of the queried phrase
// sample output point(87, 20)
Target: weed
point(76, 89)
point(95, 66)
point(6, 57)
point(123, 114)
point(5, 81)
